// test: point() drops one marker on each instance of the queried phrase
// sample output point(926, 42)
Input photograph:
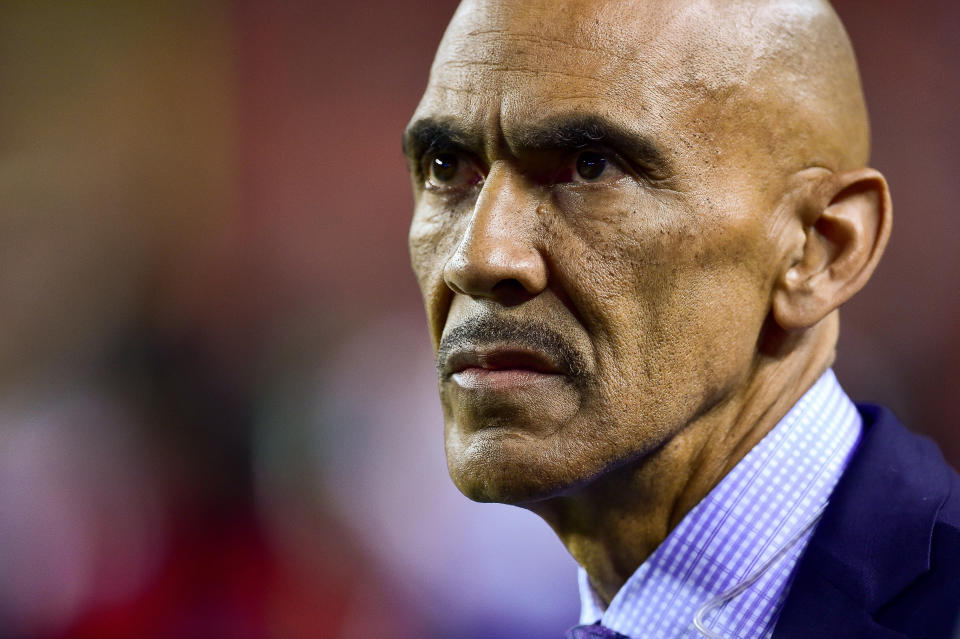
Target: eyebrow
point(432, 134)
point(582, 132)
point(568, 133)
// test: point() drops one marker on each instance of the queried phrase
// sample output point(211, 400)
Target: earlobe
point(846, 230)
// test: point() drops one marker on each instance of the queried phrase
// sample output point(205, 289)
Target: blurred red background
point(217, 395)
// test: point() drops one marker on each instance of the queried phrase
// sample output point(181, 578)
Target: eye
point(443, 168)
point(448, 170)
point(591, 165)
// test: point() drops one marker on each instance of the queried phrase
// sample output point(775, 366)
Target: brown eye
point(443, 168)
point(450, 172)
point(590, 165)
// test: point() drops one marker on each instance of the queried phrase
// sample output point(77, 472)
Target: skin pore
point(634, 223)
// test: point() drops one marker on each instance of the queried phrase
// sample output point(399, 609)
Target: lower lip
point(502, 379)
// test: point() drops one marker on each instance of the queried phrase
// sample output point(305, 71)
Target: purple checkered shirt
point(776, 491)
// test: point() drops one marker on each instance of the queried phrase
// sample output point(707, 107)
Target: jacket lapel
point(874, 539)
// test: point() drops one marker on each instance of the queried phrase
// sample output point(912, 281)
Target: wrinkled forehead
point(508, 60)
point(772, 83)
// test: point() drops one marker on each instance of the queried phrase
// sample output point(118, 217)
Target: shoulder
point(885, 559)
point(913, 464)
point(932, 600)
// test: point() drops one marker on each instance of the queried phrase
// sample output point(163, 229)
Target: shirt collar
point(784, 480)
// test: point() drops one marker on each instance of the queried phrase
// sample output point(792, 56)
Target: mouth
point(501, 368)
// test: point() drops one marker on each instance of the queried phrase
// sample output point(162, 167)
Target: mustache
point(482, 331)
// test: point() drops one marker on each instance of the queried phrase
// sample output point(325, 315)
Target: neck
point(614, 523)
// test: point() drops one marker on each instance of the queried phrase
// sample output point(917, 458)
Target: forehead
point(506, 64)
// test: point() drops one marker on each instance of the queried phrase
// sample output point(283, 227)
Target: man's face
point(595, 214)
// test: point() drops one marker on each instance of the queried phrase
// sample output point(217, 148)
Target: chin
point(509, 468)
point(502, 488)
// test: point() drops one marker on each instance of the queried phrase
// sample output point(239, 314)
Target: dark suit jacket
point(884, 562)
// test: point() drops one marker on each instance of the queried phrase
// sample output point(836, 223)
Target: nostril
point(511, 292)
point(453, 287)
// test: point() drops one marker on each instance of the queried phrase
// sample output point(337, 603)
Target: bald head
point(670, 189)
point(779, 72)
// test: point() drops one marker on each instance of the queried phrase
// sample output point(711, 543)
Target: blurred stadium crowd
point(217, 399)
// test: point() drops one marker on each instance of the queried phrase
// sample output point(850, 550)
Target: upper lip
point(500, 358)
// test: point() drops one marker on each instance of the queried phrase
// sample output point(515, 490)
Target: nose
point(499, 256)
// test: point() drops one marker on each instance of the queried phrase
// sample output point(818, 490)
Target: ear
point(846, 229)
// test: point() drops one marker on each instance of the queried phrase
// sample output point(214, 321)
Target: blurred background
point(217, 400)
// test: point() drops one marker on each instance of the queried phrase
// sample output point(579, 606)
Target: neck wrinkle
point(612, 525)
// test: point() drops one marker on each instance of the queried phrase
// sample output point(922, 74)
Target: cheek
point(707, 310)
point(423, 243)
point(620, 258)
point(674, 298)
point(432, 239)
